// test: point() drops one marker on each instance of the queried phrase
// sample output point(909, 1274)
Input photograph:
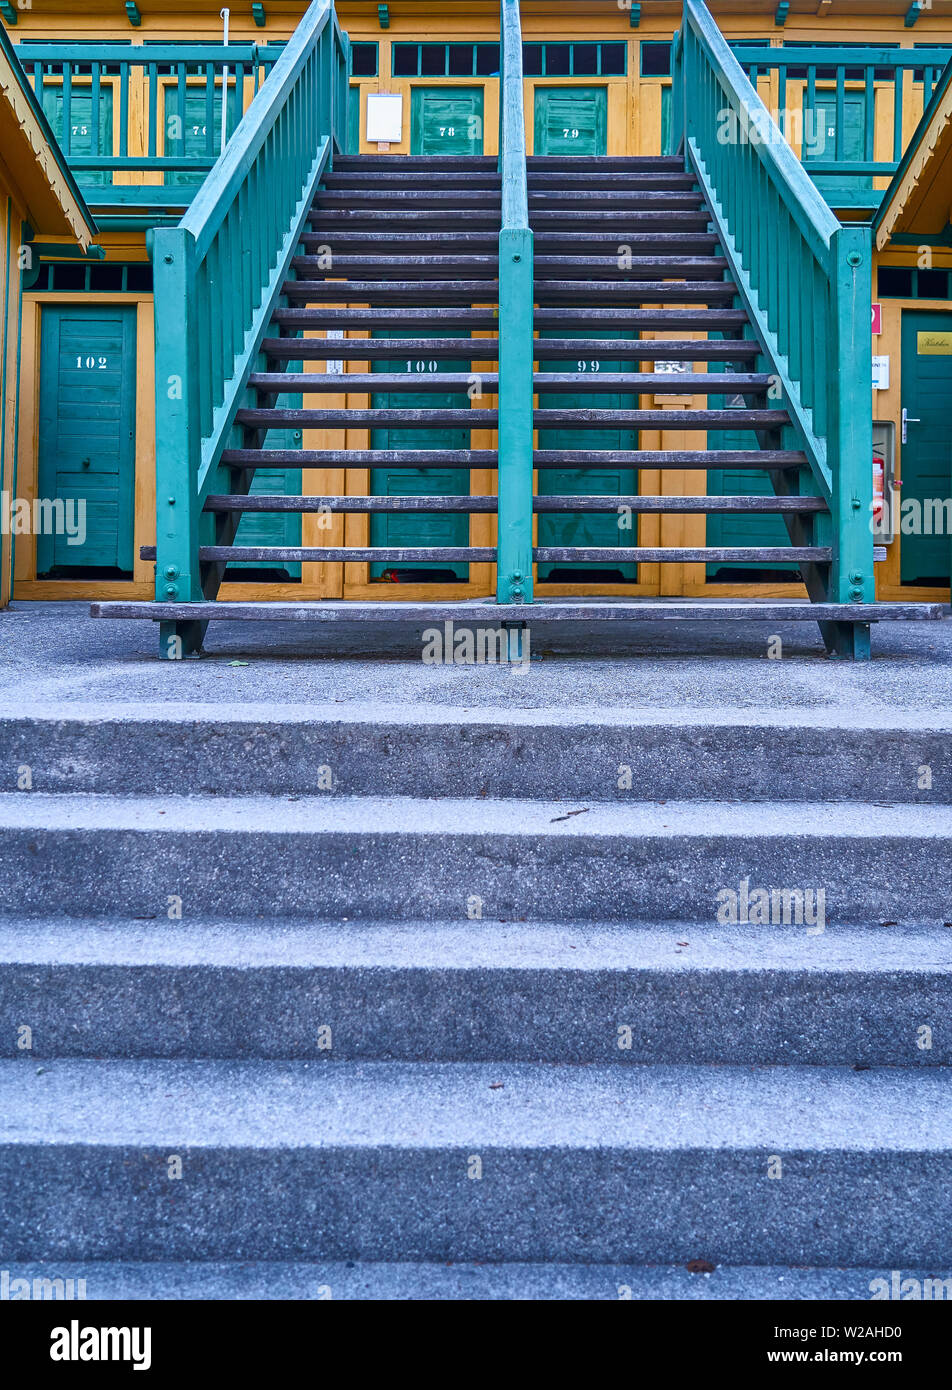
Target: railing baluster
point(67, 109)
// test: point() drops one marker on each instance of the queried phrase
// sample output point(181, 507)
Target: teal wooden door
point(87, 438)
point(582, 528)
point(446, 120)
point(419, 528)
point(571, 120)
point(926, 457)
point(90, 132)
point(187, 130)
point(819, 138)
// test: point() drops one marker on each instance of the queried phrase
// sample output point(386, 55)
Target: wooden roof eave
point(920, 172)
point(34, 161)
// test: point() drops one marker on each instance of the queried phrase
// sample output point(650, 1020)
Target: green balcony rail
point(847, 110)
point(218, 277)
point(805, 279)
point(141, 124)
point(514, 536)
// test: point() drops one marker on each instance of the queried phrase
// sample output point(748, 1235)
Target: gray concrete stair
point(352, 1280)
point(430, 751)
point(406, 858)
point(479, 914)
point(483, 991)
point(642, 1164)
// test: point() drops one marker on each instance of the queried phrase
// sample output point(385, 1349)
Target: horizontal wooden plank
point(375, 349)
point(398, 418)
point(281, 502)
point(575, 179)
point(700, 459)
point(238, 554)
point(585, 292)
point(358, 555)
point(447, 316)
point(572, 200)
point(382, 177)
point(394, 291)
point(360, 458)
point(745, 554)
point(550, 611)
point(477, 418)
point(552, 383)
point(653, 419)
point(592, 317)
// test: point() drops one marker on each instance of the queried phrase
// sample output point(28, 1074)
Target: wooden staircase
point(515, 284)
point(415, 242)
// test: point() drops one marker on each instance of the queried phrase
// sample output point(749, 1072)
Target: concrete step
point(405, 858)
point(476, 992)
point(386, 750)
point(372, 1161)
point(351, 1280)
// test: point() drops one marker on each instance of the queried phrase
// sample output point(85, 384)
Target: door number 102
point(92, 364)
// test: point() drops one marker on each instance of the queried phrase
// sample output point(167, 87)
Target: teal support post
point(516, 349)
point(178, 440)
point(850, 438)
point(514, 558)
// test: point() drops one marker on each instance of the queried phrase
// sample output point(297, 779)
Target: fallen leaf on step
point(700, 1267)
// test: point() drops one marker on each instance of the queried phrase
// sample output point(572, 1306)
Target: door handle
point(907, 419)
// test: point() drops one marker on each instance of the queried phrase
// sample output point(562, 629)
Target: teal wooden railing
point(805, 280)
point(514, 543)
point(219, 276)
point(832, 99)
point(143, 109)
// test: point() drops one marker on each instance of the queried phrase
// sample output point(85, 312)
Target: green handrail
point(218, 277)
point(805, 280)
point(514, 535)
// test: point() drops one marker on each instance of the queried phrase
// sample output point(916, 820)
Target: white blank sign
point(384, 117)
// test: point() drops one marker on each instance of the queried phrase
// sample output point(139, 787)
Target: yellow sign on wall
point(934, 344)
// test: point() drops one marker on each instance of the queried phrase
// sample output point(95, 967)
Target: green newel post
point(177, 434)
point(514, 559)
point(851, 429)
point(516, 314)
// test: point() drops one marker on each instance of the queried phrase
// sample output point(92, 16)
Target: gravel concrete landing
point(55, 652)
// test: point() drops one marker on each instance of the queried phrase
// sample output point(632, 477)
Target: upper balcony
point(141, 125)
point(848, 111)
